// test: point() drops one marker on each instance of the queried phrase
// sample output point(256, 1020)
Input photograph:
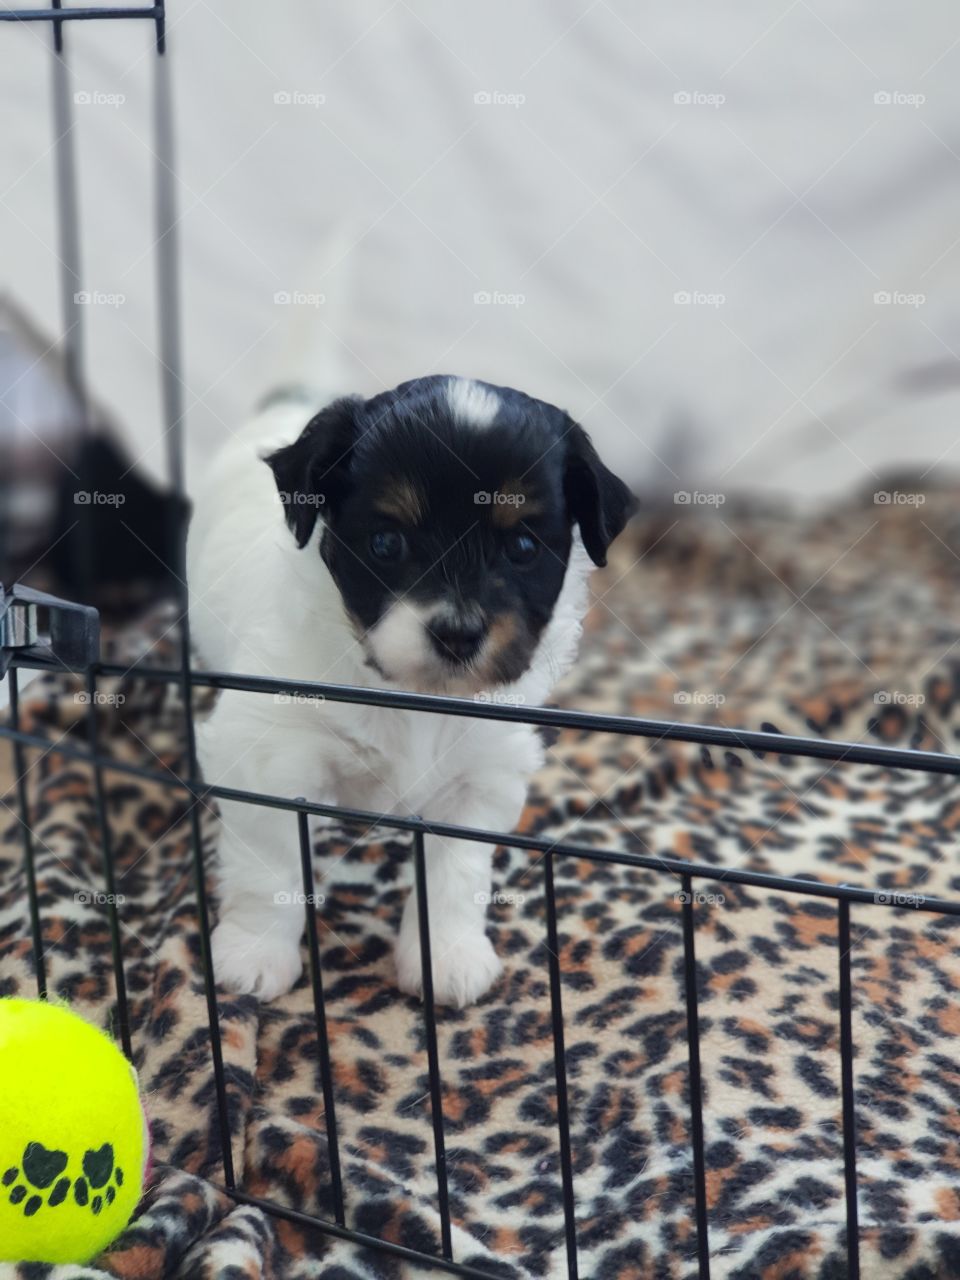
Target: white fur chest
point(412, 762)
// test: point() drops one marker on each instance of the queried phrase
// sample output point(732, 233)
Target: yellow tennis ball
point(73, 1138)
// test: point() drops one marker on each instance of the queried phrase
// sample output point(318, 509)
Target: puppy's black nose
point(457, 640)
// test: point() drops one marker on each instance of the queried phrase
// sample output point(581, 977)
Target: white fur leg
point(256, 943)
point(464, 963)
point(254, 963)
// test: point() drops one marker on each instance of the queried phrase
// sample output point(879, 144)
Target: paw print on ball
point(38, 1180)
point(101, 1177)
point(41, 1171)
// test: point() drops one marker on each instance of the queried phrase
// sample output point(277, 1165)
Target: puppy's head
point(447, 509)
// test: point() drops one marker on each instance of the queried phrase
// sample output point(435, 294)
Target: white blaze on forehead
point(471, 403)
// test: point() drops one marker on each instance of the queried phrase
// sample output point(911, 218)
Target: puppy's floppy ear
point(599, 502)
point(312, 473)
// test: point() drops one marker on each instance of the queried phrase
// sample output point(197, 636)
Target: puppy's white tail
point(312, 360)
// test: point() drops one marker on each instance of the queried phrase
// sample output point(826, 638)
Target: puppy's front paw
point(257, 964)
point(465, 965)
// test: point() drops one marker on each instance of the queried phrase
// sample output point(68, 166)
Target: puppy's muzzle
point(457, 639)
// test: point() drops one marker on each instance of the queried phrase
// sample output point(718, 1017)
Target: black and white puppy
point(436, 538)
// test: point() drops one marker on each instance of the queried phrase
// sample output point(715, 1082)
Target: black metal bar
point(696, 1080)
point(23, 806)
point(203, 917)
point(168, 307)
point(203, 921)
point(433, 1057)
point(324, 1068)
point(68, 225)
point(58, 28)
point(362, 1238)
point(560, 1070)
point(58, 15)
point(168, 279)
point(72, 314)
point(848, 1094)
point(553, 717)
point(106, 849)
point(396, 822)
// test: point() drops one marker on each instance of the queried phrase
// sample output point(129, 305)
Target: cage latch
point(46, 630)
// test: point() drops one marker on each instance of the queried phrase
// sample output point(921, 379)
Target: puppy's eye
point(388, 546)
point(521, 548)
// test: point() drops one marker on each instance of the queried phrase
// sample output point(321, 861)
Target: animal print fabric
point(841, 624)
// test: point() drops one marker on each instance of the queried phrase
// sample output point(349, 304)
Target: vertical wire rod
point(58, 28)
point(433, 1057)
point(560, 1069)
point(106, 849)
point(319, 1007)
point(695, 1079)
point(847, 1092)
point(71, 313)
point(68, 232)
point(23, 811)
point(68, 220)
point(168, 296)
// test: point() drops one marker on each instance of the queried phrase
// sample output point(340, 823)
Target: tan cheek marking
point(403, 501)
point(503, 631)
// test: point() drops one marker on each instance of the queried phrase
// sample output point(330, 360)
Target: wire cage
point(42, 633)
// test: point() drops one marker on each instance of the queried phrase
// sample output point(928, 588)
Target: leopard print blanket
point(837, 624)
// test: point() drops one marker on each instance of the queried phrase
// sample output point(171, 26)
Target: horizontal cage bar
point(152, 12)
point(758, 741)
point(650, 862)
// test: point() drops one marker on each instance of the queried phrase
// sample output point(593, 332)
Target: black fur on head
point(447, 509)
point(597, 500)
point(314, 469)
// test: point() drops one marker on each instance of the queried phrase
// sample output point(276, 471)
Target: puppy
point(435, 538)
